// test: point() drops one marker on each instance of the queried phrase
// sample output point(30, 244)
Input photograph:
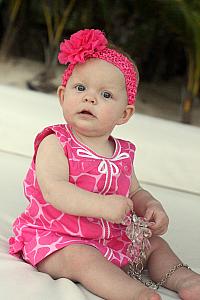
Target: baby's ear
point(127, 114)
point(60, 93)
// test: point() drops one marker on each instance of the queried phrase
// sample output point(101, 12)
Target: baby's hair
point(111, 45)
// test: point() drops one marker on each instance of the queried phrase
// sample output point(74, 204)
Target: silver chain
point(154, 285)
point(137, 227)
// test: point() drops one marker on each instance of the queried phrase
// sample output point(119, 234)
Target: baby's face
point(95, 98)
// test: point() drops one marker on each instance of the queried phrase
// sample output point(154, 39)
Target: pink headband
point(91, 43)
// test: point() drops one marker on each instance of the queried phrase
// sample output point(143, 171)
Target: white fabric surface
point(167, 155)
point(167, 152)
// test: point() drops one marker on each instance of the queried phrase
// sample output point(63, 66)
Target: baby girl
point(82, 187)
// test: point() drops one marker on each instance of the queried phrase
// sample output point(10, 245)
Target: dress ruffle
point(16, 245)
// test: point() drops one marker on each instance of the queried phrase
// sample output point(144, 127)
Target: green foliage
point(184, 20)
point(163, 36)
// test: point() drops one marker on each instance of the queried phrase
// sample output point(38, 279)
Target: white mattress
point(167, 163)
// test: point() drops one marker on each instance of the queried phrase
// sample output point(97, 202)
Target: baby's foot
point(146, 294)
point(149, 295)
point(189, 289)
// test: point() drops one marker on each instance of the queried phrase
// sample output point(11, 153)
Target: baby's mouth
point(86, 113)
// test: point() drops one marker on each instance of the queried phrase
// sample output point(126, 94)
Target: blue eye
point(80, 87)
point(106, 95)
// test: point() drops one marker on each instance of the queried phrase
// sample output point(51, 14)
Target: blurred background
point(162, 37)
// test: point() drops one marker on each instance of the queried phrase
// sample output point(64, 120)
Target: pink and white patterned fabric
point(42, 229)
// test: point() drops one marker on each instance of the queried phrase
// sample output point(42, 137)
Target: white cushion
point(166, 157)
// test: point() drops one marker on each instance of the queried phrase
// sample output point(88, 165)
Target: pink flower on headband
point(81, 45)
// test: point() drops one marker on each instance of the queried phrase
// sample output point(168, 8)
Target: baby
point(81, 185)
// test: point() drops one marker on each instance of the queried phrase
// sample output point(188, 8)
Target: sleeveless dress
point(42, 229)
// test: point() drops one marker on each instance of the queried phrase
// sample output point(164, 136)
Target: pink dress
point(42, 229)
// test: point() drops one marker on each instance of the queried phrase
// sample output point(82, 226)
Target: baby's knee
point(81, 255)
point(70, 262)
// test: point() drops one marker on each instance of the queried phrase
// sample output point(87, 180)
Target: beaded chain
point(138, 232)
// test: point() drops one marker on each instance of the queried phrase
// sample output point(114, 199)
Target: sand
point(158, 99)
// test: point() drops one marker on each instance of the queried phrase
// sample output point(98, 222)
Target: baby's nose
point(89, 98)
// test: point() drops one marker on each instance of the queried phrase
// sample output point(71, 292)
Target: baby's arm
point(52, 172)
point(147, 206)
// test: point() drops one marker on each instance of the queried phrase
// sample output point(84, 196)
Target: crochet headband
point(92, 43)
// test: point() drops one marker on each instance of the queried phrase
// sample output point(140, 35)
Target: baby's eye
point(80, 87)
point(106, 94)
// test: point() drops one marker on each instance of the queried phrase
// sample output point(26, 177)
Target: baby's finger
point(130, 204)
point(154, 225)
point(158, 230)
point(151, 225)
point(149, 215)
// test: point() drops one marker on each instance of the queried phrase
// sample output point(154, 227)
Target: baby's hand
point(157, 217)
point(116, 208)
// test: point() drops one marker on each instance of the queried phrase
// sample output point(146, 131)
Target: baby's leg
point(85, 264)
point(184, 281)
